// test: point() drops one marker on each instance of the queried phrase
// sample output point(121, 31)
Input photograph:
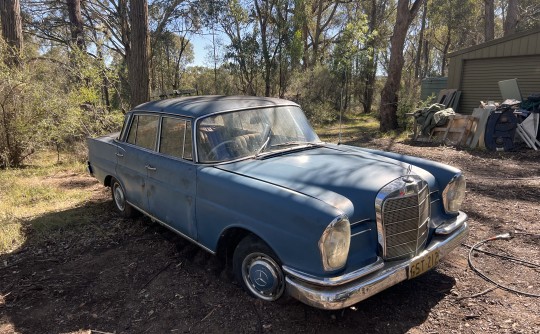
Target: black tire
point(119, 200)
point(258, 269)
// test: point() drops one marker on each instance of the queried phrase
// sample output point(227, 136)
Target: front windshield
point(234, 135)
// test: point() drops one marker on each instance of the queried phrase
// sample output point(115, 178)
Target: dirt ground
point(133, 276)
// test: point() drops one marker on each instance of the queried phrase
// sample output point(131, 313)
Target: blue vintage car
point(247, 179)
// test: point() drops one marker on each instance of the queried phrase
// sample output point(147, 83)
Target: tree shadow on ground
point(88, 269)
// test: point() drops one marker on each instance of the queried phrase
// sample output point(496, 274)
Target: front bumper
point(338, 297)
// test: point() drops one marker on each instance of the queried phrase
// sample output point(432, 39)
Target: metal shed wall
point(476, 70)
point(432, 86)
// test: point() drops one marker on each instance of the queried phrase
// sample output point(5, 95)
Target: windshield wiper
point(263, 146)
point(295, 142)
point(289, 143)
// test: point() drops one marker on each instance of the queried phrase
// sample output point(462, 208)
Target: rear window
point(143, 131)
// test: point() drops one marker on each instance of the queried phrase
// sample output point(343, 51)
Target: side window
point(143, 131)
point(124, 128)
point(176, 138)
point(172, 136)
point(188, 143)
point(133, 130)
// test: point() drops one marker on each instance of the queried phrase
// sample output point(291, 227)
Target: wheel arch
point(107, 181)
point(230, 238)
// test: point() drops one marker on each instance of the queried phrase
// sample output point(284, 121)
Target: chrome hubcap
point(263, 276)
point(119, 197)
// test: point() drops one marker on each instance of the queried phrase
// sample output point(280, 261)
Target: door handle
point(150, 167)
point(119, 155)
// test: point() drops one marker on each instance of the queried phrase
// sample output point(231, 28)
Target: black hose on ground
point(505, 236)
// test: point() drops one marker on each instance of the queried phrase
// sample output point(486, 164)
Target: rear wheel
point(258, 269)
point(119, 200)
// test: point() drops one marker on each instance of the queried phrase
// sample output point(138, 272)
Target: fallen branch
point(480, 293)
point(155, 275)
point(92, 331)
point(209, 314)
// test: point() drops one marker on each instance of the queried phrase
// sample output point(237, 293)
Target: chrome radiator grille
point(403, 209)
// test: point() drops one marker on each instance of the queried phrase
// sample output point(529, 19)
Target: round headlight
point(334, 244)
point(454, 194)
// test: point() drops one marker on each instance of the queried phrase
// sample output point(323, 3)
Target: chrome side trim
point(361, 232)
point(360, 221)
point(338, 280)
point(338, 297)
point(173, 229)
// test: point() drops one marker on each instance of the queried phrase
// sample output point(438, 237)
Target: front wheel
point(119, 199)
point(257, 269)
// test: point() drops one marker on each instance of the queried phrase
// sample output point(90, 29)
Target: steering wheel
point(213, 151)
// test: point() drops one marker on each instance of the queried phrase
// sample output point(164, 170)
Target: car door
point(134, 154)
point(171, 178)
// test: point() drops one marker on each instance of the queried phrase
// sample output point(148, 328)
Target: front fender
point(291, 223)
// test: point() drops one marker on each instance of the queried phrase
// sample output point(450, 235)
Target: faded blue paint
point(197, 106)
point(132, 173)
point(441, 173)
point(171, 193)
point(102, 155)
point(287, 199)
point(290, 222)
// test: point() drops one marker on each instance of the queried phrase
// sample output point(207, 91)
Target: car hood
point(346, 178)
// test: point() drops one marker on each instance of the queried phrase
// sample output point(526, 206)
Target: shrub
point(48, 102)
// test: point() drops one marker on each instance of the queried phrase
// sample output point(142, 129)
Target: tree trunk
point(417, 62)
point(138, 59)
point(263, 18)
point(425, 66)
point(10, 15)
point(370, 70)
point(389, 94)
point(445, 51)
point(511, 20)
point(489, 20)
point(76, 23)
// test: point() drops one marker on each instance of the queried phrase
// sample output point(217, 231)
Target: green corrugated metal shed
point(432, 86)
point(477, 70)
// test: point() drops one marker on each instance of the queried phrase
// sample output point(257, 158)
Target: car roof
point(197, 106)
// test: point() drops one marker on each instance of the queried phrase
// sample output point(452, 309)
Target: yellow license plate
point(423, 264)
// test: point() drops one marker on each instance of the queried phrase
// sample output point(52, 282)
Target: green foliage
point(171, 55)
point(408, 102)
point(350, 44)
point(204, 81)
point(315, 91)
point(42, 106)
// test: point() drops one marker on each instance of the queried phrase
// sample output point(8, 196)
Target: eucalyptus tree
point(321, 27)
point(243, 50)
point(139, 55)
point(10, 15)
point(76, 24)
point(171, 54)
point(406, 12)
point(452, 28)
point(512, 17)
point(351, 48)
point(489, 20)
point(172, 25)
point(377, 32)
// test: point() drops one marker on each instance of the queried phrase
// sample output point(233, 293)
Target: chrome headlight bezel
point(454, 194)
point(334, 244)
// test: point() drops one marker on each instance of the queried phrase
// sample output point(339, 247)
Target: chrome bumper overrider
point(341, 296)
